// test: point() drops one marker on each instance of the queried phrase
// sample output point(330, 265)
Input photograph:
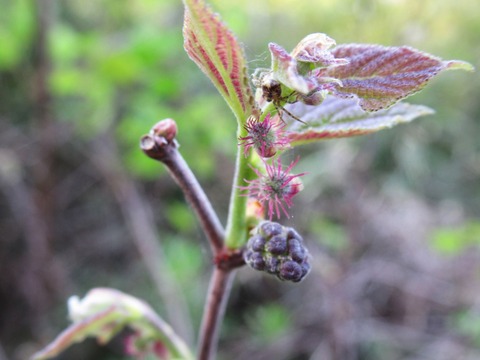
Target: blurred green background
point(392, 219)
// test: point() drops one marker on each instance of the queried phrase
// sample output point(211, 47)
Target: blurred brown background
point(392, 219)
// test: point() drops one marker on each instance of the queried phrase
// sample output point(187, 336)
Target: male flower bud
point(277, 250)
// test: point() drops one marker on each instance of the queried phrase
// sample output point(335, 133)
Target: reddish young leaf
point(314, 49)
point(337, 117)
point(216, 51)
point(380, 76)
point(285, 70)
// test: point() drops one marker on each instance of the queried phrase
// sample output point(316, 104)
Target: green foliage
point(16, 29)
point(269, 322)
point(184, 260)
point(202, 113)
point(137, 69)
point(185, 264)
point(329, 234)
point(128, 131)
point(452, 241)
point(468, 323)
point(180, 217)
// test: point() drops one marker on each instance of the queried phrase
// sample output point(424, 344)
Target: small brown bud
point(166, 129)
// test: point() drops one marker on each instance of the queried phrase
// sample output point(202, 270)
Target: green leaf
point(381, 76)
point(103, 313)
point(337, 117)
point(216, 51)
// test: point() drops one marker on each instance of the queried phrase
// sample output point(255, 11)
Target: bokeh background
point(392, 219)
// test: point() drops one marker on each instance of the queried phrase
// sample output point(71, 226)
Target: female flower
point(266, 137)
point(276, 187)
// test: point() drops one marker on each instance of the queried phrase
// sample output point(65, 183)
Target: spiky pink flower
point(276, 187)
point(266, 137)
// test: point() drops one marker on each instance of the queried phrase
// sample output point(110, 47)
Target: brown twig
point(218, 292)
point(164, 148)
point(42, 102)
point(45, 272)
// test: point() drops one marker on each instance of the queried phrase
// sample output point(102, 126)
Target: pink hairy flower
point(266, 137)
point(276, 188)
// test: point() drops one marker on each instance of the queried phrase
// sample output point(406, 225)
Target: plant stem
point(167, 152)
point(214, 310)
point(197, 199)
point(236, 224)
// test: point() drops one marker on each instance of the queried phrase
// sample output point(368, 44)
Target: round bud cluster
point(277, 250)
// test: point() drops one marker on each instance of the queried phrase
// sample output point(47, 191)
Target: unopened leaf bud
point(166, 129)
